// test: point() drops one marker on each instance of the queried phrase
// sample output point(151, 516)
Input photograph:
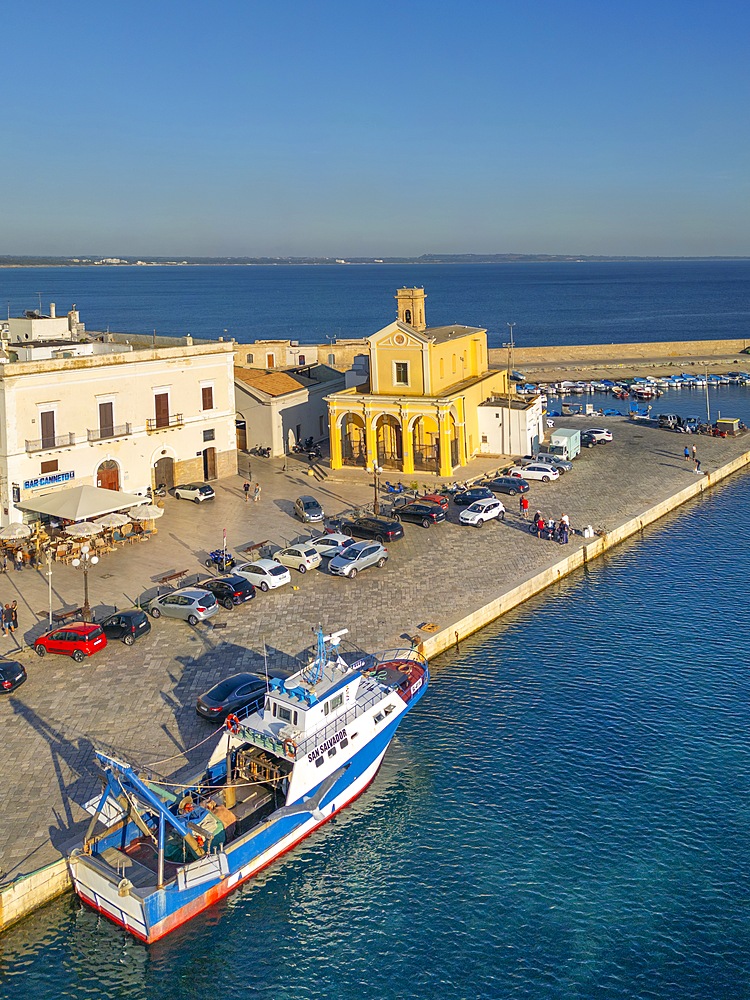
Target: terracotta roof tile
point(271, 383)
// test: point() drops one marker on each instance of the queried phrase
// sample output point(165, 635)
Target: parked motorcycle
point(261, 451)
point(221, 559)
point(157, 491)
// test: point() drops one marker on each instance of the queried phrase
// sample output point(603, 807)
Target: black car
point(425, 514)
point(465, 497)
point(587, 440)
point(127, 626)
point(512, 485)
point(229, 590)
point(233, 694)
point(12, 675)
point(379, 528)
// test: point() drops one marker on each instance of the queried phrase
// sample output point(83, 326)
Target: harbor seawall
point(27, 893)
point(619, 353)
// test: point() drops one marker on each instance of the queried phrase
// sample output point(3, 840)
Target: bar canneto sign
point(51, 479)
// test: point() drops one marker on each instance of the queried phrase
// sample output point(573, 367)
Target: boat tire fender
point(232, 723)
point(290, 748)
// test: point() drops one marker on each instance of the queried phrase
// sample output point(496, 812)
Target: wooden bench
point(173, 577)
point(66, 614)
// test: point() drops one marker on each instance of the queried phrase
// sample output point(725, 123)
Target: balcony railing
point(173, 420)
point(105, 433)
point(50, 443)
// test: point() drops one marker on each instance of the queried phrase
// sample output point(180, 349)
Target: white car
point(299, 557)
point(599, 434)
point(197, 492)
point(482, 510)
point(264, 573)
point(537, 470)
point(332, 544)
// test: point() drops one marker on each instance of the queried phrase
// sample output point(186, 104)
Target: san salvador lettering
point(326, 746)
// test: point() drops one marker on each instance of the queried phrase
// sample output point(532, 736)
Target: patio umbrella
point(84, 529)
point(15, 530)
point(148, 512)
point(113, 520)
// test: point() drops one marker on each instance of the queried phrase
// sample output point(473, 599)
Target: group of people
point(555, 531)
point(696, 461)
point(17, 560)
point(246, 491)
point(558, 531)
point(10, 618)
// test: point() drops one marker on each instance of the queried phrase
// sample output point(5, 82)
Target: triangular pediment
point(398, 334)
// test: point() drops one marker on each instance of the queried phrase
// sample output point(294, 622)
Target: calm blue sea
point(564, 303)
point(566, 816)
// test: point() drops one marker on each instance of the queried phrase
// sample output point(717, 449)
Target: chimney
point(52, 310)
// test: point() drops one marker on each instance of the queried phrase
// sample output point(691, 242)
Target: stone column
point(371, 441)
point(407, 444)
point(446, 469)
point(334, 439)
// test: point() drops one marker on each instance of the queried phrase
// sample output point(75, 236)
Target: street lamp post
point(510, 346)
point(376, 474)
point(85, 563)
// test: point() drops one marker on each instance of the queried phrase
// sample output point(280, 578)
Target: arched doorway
point(389, 442)
point(425, 436)
point(209, 463)
point(455, 443)
point(164, 472)
point(108, 475)
point(353, 443)
point(241, 431)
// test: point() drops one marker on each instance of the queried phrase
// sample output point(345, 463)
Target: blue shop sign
point(51, 479)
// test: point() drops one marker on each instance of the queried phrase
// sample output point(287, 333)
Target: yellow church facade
point(418, 411)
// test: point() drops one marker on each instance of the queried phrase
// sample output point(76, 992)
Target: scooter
point(157, 491)
point(261, 451)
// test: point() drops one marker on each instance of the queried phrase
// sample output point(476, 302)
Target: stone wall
point(29, 893)
point(618, 352)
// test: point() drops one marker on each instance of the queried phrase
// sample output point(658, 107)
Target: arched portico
point(425, 442)
point(353, 439)
point(389, 443)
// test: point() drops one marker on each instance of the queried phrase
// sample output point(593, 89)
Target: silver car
point(308, 509)
point(332, 544)
point(191, 604)
point(358, 556)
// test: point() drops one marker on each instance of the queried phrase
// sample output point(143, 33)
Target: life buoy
point(290, 748)
point(233, 723)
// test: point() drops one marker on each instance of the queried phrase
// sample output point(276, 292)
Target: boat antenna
point(265, 662)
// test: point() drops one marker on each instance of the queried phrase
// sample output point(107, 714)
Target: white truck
point(565, 443)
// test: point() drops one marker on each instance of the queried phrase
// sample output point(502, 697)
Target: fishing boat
point(156, 854)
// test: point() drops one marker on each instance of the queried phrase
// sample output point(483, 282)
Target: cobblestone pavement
point(140, 701)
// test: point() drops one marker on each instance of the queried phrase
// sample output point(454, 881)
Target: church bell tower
point(411, 307)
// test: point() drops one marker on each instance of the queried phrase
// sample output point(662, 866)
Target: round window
point(399, 340)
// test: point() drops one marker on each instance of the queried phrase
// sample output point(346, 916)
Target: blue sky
point(285, 127)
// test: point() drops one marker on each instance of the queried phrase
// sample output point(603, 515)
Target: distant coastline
point(12, 261)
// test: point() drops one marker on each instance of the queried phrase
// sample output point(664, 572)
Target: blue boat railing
point(294, 751)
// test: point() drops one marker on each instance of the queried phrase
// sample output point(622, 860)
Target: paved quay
point(140, 701)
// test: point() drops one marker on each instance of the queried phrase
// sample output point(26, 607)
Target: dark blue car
point(466, 497)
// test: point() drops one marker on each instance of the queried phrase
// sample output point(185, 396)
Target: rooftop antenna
point(40, 302)
point(265, 663)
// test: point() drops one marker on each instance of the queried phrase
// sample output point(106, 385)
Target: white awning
point(79, 503)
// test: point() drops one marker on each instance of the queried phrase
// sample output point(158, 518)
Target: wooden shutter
point(208, 397)
point(47, 419)
point(161, 409)
point(106, 420)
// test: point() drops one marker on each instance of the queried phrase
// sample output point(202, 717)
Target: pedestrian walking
point(4, 563)
point(695, 452)
point(246, 489)
point(256, 493)
point(14, 615)
point(687, 453)
point(7, 620)
point(19, 559)
point(523, 506)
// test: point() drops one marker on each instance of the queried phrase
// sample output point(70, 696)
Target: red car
point(437, 498)
point(79, 640)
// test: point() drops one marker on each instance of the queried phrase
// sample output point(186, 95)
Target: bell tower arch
point(410, 307)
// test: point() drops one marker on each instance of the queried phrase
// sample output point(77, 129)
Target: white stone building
point(104, 414)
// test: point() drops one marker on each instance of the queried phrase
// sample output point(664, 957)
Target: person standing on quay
point(695, 453)
point(523, 507)
point(256, 493)
point(7, 620)
point(687, 453)
point(246, 489)
point(14, 615)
